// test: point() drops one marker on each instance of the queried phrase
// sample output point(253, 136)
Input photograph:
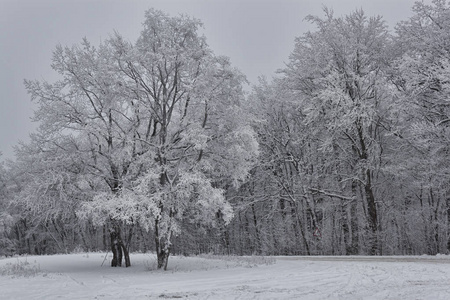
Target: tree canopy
point(155, 145)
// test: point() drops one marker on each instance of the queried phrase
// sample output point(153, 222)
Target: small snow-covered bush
point(207, 262)
point(20, 269)
point(151, 264)
point(78, 249)
point(245, 261)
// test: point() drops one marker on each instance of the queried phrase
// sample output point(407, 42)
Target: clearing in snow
point(82, 276)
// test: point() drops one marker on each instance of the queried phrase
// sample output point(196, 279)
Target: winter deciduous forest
point(155, 145)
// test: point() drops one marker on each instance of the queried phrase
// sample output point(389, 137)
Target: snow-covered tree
point(49, 185)
point(422, 78)
point(339, 75)
point(200, 141)
point(7, 245)
point(89, 120)
point(280, 185)
point(155, 128)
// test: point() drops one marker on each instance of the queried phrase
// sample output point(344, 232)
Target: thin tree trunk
point(255, 223)
point(372, 210)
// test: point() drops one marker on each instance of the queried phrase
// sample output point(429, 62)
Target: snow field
point(81, 276)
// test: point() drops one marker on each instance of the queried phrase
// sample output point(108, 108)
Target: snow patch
point(82, 276)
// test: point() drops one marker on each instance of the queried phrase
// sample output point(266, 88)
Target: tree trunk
point(354, 220)
point(126, 256)
point(163, 246)
point(447, 202)
point(163, 258)
point(294, 209)
point(118, 248)
point(346, 228)
point(163, 255)
point(369, 195)
point(373, 218)
point(257, 236)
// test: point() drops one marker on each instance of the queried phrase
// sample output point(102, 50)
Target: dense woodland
point(156, 146)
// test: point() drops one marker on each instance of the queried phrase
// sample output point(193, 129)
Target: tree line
point(155, 145)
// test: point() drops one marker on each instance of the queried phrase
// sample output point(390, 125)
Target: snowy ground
point(81, 276)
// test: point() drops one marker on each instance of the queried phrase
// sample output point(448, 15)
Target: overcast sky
point(257, 35)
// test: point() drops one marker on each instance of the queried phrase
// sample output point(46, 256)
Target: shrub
point(246, 261)
point(20, 269)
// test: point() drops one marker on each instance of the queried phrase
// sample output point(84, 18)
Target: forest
point(156, 145)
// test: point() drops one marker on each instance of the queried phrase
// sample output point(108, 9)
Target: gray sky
point(257, 35)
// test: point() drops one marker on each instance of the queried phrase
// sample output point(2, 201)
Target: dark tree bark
point(118, 248)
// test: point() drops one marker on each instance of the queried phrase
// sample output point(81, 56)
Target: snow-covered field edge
point(89, 276)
